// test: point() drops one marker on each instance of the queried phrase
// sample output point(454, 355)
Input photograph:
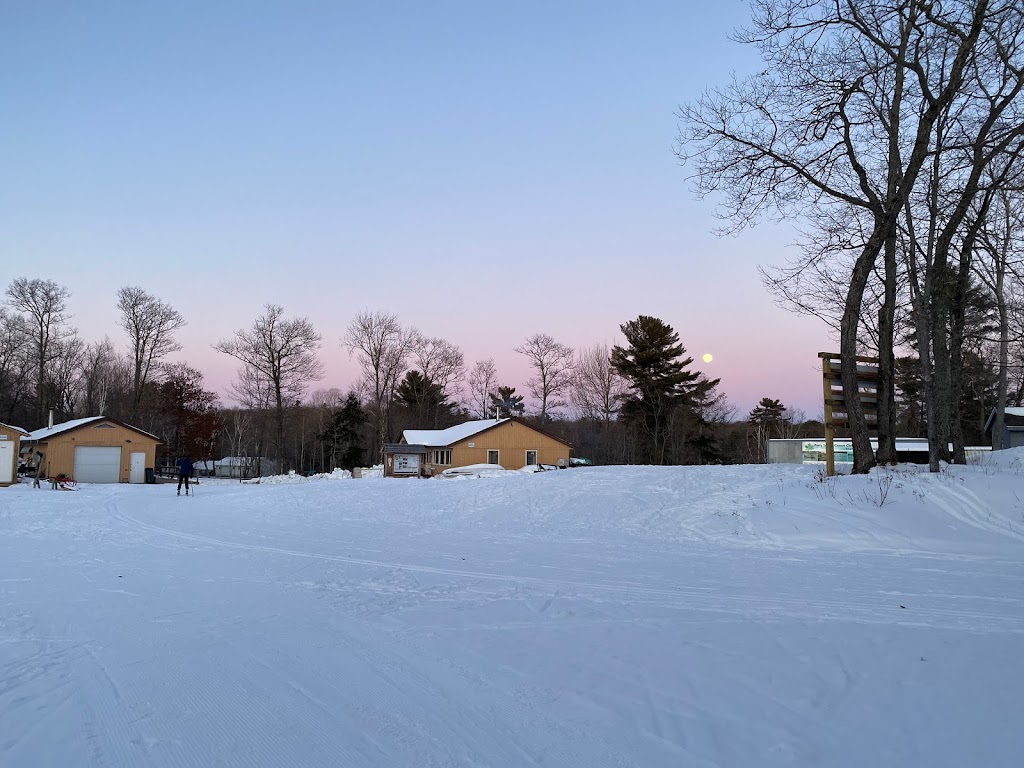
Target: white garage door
point(95, 464)
point(6, 461)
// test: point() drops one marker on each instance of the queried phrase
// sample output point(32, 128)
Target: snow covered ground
point(619, 616)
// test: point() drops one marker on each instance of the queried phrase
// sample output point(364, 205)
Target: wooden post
point(830, 430)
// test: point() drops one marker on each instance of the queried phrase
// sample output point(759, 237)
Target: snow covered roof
point(1014, 413)
point(56, 429)
point(442, 437)
point(48, 432)
point(16, 429)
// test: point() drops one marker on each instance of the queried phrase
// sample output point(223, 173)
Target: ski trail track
point(362, 696)
point(963, 504)
point(681, 598)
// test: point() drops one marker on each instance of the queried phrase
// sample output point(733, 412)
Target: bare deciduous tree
point(64, 376)
point(243, 438)
point(442, 363)
point(597, 388)
point(553, 363)
point(324, 402)
point(279, 361)
point(383, 346)
point(101, 376)
point(842, 117)
point(1003, 242)
point(150, 324)
point(44, 305)
point(15, 363)
point(481, 384)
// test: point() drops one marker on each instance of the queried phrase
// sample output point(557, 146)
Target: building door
point(97, 464)
point(492, 457)
point(6, 461)
point(137, 472)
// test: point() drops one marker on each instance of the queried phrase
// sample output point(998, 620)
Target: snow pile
point(1011, 459)
point(531, 469)
point(605, 616)
point(293, 477)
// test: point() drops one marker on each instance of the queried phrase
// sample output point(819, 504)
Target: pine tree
point(507, 403)
point(768, 418)
point(659, 383)
point(343, 438)
point(425, 402)
point(768, 412)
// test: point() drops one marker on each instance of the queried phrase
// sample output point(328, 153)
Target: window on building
point(531, 458)
point(443, 457)
point(492, 457)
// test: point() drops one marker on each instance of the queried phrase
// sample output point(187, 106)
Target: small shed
point(96, 449)
point(243, 467)
point(10, 447)
point(1013, 428)
point(404, 460)
point(509, 443)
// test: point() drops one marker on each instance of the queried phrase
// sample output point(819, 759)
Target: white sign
point(407, 464)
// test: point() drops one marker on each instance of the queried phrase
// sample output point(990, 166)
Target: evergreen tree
point(911, 411)
point(703, 421)
point(507, 403)
point(343, 437)
point(424, 401)
point(659, 383)
point(768, 412)
point(768, 418)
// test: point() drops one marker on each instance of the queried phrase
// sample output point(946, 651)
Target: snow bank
point(1011, 459)
point(292, 477)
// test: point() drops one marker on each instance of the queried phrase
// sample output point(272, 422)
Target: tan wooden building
point(509, 443)
point(10, 448)
point(96, 449)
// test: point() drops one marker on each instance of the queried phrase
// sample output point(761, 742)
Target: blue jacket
point(185, 466)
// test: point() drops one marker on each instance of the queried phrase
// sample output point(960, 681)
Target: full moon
point(707, 357)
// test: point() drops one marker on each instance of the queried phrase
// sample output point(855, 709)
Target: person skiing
point(185, 470)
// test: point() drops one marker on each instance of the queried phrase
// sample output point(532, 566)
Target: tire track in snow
point(680, 597)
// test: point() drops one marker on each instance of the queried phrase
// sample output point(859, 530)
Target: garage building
point(96, 449)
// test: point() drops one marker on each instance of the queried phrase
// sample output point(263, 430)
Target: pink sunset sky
point(483, 173)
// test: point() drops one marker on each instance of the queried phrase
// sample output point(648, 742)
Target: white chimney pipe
point(51, 419)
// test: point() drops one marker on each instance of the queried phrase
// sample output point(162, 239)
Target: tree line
point(639, 401)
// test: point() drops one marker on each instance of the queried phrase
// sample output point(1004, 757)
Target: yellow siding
point(12, 436)
point(511, 439)
point(59, 450)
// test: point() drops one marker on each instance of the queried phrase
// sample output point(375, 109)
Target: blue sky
point(484, 171)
